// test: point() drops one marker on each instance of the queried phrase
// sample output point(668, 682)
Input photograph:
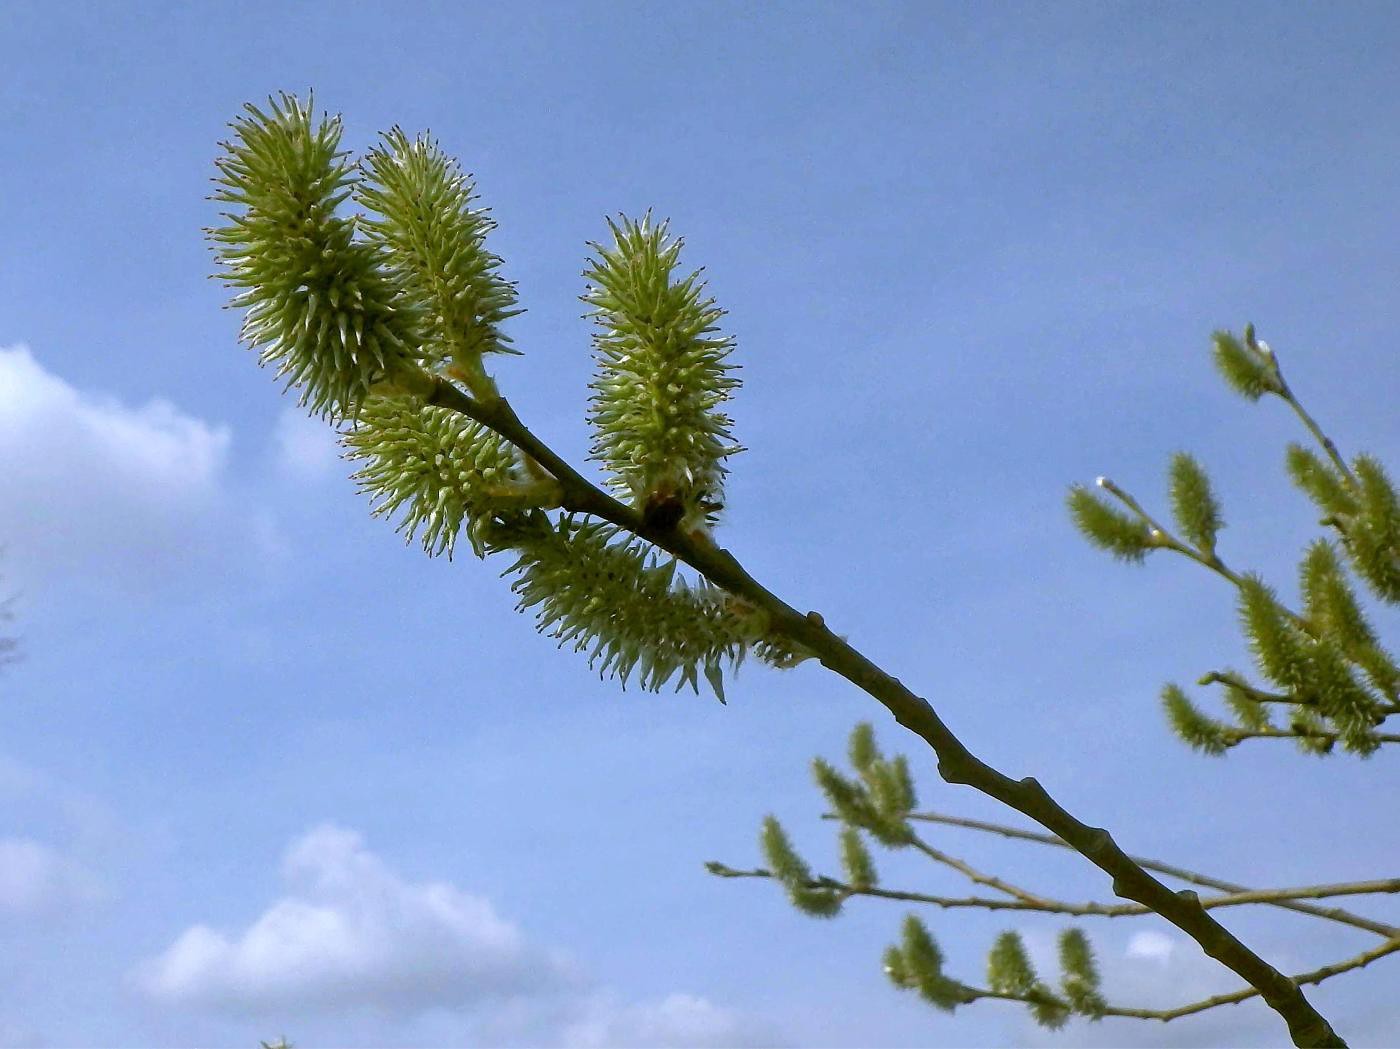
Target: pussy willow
point(360, 310)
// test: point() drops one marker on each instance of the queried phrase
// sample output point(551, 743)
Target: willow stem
point(956, 764)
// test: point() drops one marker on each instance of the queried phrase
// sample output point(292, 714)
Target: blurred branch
point(1191, 877)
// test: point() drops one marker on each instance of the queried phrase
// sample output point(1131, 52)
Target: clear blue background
point(971, 253)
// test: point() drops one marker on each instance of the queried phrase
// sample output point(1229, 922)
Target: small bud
point(1102, 482)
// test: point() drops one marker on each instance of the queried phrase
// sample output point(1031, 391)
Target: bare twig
point(1335, 914)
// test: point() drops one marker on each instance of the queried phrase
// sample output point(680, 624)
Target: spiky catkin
point(916, 964)
point(1193, 727)
point(1314, 670)
point(1125, 537)
point(862, 807)
point(1344, 701)
point(793, 873)
point(1009, 971)
point(438, 470)
point(862, 750)
point(1009, 968)
point(1332, 606)
point(1244, 367)
point(1328, 489)
point(891, 789)
point(626, 600)
point(1194, 506)
point(1279, 647)
point(1373, 537)
point(661, 376)
point(1328, 601)
point(903, 783)
point(318, 302)
point(850, 800)
point(434, 243)
point(1079, 979)
point(856, 863)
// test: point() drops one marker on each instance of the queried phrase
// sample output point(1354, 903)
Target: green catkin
point(434, 245)
point(1194, 505)
point(1126, 538)
point(318, 302)
point(439, 471)
point(661, 376)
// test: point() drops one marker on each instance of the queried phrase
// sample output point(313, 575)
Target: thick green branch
point(956, 763)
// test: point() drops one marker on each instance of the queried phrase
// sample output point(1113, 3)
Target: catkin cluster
point(367, 313)
point(1323, 665)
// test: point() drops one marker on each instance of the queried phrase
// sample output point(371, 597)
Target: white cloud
point(95, 486)
point(426, 956)
point(677, 1020)
point(353, 932)
point(37, 880)
point(306, 447)
point(1153, 945)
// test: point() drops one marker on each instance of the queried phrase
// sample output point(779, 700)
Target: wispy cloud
point(678, 1020)
point(98, 488)
point(37, 880)
point(351, 934)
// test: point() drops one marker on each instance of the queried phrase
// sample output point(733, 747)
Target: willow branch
point(1316, 976)
point(1090, 909)
point(956, 764)
point(1030, 899)
point(1286, 392)
point(1163, 538)
point(1239, 735)
point(1260, 695)
point(1335, 914)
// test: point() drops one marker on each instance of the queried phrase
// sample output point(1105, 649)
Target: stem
point(1090, 909)
point(1234, 998)
point(1335, 914)
point(1028, 899)
point(1327, 446)
point(956, 764)
point(1237, 735)
point(1301, 980)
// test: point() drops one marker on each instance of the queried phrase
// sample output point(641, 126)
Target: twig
point(1316, 976)
point(1335, 914)
point(956, 764)
point(1031, 900)
point(1046, 905)
point(1286, 392)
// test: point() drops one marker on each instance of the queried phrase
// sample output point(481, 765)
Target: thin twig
point(1238, 735)
point(1259, 695)
point(1335, 914)
point(1316, 976)
point(978, 877)
point(1091, 909)
point(1286, 392)
point(1302, 980)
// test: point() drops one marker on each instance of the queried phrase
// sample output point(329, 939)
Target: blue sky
point(265, 770)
